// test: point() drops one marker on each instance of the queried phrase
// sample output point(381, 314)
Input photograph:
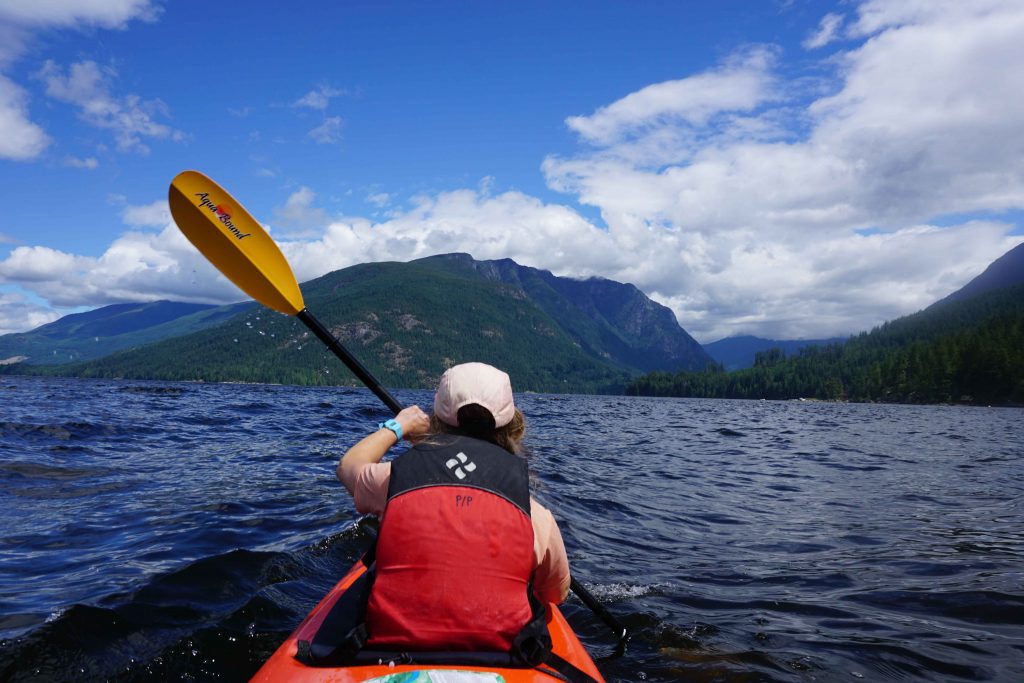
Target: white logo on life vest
point(461, 465)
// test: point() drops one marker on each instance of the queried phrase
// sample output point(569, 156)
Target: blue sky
point(788, 169)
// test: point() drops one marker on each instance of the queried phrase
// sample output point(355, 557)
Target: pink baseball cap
point(477, 383)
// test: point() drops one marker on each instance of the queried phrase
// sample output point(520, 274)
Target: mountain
point(967, 348)
point(607, 319)
point(1005, 271)
point(736, 353)
point(84, 336)
point(407, 322)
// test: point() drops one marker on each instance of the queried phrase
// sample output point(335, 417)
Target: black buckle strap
point(569, 671)
point(347, 617)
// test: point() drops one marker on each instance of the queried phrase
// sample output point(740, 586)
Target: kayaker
point(462, 544)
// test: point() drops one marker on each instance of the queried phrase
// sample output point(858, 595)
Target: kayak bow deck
point(283, 665)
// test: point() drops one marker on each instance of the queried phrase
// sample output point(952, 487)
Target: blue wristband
point(393, 425)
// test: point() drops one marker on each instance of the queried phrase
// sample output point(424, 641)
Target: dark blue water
point(180, 531)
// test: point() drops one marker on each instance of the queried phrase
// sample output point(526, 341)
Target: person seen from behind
point(462, 543)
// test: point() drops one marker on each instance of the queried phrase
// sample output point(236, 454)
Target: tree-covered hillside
point(410, 321)
point(405, 322)
point(958, 350)
point(607, 319)
point(737, 353)
point(83, 336)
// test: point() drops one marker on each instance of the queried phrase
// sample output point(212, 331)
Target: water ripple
point(156, 531)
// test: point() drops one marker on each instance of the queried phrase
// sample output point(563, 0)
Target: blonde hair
point(477, 422)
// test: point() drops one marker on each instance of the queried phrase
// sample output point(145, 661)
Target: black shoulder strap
point(343, 631)
point(567, 669)
point(532, 647)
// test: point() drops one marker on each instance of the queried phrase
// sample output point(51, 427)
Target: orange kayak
point(284, 666)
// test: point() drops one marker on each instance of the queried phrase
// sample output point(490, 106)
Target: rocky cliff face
point(609, 319)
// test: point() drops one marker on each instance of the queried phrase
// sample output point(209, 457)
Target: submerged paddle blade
point(233, 241)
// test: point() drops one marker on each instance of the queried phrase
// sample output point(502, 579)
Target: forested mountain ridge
point(958, 350)
point(96, 333)
point(737, 353)
point(409, 321)
point(1005, 271)
point(607, 318)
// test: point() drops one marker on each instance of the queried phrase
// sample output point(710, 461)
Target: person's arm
point(551, 577)
point(371, 449)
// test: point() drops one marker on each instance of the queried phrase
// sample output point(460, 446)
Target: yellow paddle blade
point(233, 241)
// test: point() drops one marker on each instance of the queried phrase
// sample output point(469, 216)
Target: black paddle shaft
point(601, 611)
point(350, 361)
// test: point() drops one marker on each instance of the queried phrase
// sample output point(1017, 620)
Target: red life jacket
point(455, 550)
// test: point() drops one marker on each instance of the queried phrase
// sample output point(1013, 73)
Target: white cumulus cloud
point(138, 266)
point(510, 225)
point(746, 199)
point(328, 132)
point(88, 163)
point(299, 212)
point(828, 30)
point(18, 314)
point(156, 214)
point(130, 118)
point(68, 13)
point(318, 98)
point(741, 84)
point(20, 139)
point(923, 122)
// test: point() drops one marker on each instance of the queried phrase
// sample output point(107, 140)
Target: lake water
point(156, 530)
